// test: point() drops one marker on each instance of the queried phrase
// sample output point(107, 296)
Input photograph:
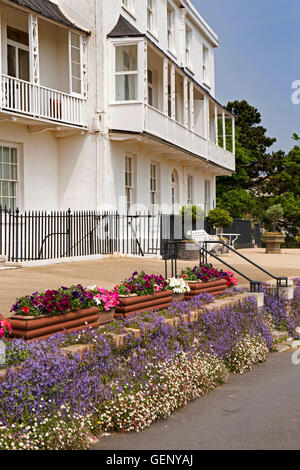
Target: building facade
point(109, 105)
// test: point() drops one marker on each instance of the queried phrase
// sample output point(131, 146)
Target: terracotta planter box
point(42, 327)
point(137, 304)
point(211, 287)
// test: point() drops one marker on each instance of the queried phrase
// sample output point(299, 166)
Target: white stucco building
point(105, 103)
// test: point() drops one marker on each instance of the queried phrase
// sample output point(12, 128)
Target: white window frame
point(150, 86)
point(73, 93)
point(154, 182)
point(17, 181)
point(190, 190)
point(171, 28)
point(17, 46)
point(130, 186)
point(115, 73)
point(188, 46)
point(205, 65)
point(129, 7)
point(207, 196)
point(151, 16)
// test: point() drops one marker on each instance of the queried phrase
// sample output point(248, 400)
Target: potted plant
point(143, 292)
point(192, 218)
point(273, 238)
point(219, 218)
point(41, 315)
point(179, 287)
point(206, 278)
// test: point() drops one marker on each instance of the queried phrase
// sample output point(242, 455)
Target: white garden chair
point(200, 236)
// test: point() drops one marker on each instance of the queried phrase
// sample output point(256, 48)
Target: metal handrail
point(202, 250)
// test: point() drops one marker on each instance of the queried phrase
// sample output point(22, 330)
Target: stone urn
point(273, 242)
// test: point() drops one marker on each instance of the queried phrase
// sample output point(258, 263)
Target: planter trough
point(211, 287)
point(137, 304)
point(42, 327)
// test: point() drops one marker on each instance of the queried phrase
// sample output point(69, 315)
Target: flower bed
point(206, 278)
point(126, 387)
point(143, 292)
point(71, 309)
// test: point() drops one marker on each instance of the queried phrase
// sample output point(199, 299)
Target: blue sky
point(258, 58)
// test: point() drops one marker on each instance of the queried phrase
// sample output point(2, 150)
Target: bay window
point(126, 73)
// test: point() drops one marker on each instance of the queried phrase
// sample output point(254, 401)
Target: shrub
point(51, 433)
point(170, 386)
point(246, 353)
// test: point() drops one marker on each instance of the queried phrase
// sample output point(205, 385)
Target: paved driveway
point(255, 411)
point(108, 272)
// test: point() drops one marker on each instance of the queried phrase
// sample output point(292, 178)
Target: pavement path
point(255, 411)
point(109, 272)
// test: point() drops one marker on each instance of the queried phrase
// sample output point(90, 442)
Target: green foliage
point(219, 218)
point(263, 179)
point(274, 215)
point(195, 213)
point(238, 202)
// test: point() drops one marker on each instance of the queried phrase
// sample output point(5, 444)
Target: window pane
point(6, 171)
point(18, 36)
point(13, 153)
point(128, 164)
point(4, 189)
point(76, 70)
point(126, 58)
point(75, 40)
point(11, 61)
point(76, 85)
point(13, 189)
point(14, 172)
point(23, 65)
point(75, 55)
point(5, 155)
point(126, 87)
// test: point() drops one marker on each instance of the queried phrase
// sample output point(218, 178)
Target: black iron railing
point(255, 286)
point(40, 235)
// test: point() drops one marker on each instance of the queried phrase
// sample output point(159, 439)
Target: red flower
point(26, 310)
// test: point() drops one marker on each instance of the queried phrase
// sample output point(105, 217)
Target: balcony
point(43, 71)
point(163, 103)
point(36, 101)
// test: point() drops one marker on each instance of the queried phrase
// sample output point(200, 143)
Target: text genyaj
point(154, 460)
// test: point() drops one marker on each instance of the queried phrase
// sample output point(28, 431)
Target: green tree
point(219, 218)
point(239, 202)
point(274, 216)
